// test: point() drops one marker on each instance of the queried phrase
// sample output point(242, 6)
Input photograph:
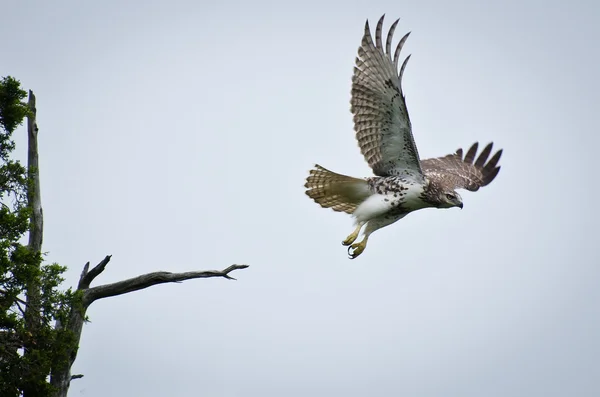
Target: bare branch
point(76, 376)
point(87, 277)
point(19, 306)
point(84, 272)
point(150, 279)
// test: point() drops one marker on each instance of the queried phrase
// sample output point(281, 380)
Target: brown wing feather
point(381, 121)
point(458, 172)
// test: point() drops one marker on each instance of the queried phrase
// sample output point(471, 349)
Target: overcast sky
point(177, 136)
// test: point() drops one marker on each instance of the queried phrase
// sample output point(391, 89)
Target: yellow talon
point(353, 236)
point(356, 249)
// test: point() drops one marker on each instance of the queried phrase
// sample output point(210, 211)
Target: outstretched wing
point(457, 172)
point(381, 119)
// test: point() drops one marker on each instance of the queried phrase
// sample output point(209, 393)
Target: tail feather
point(336, 191)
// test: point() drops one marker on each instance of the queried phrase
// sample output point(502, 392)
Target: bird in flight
point(403, 182)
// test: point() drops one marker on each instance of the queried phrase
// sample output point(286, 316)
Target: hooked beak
point(460, 206)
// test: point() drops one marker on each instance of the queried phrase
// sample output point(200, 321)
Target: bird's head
point(450, 199)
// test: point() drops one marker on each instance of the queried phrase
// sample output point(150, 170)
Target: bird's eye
point(450, 196)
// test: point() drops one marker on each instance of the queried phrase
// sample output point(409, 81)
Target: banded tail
point(336, 191)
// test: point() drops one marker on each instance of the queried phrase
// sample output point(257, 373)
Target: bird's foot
point(356, 249)
point(352, 237)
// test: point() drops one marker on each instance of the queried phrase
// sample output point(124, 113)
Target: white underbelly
point(379, 204)
point(413, 199)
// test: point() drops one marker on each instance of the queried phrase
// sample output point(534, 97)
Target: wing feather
point(480, 162)
point(397, 53)
point(390, 36)
point(457, 172)
point(470, 156)
point(381, 121)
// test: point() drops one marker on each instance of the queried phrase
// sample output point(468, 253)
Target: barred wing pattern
point(381, 121)
point(457, 172)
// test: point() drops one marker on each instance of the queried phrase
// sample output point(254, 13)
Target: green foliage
point(46, 344)
point(12, 109)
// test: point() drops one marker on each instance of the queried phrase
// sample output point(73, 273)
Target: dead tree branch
point(88, 276)
point(150, 279)
point(61, 377)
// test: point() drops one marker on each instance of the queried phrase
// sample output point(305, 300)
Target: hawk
point(403, 182)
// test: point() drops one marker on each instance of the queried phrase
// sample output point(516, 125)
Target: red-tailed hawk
point(403, 182)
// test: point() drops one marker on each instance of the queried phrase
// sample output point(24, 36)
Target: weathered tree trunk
point(34, 197)
point(36, 232)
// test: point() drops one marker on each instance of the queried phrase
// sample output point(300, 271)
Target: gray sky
point(177, 136)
